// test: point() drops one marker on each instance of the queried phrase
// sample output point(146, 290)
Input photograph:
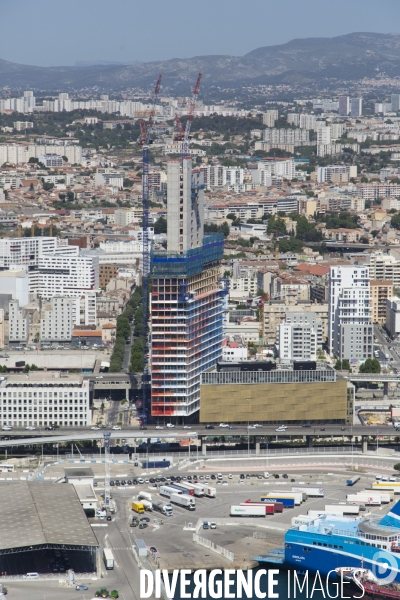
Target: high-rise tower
point(186, 300)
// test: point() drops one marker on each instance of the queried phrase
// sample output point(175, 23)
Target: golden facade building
point(292, 397)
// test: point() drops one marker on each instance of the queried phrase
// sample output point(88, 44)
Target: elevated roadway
point(18, 437)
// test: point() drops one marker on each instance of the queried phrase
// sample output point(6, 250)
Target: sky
point(62, 32)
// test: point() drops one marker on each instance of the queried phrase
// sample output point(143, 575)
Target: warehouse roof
point(34, 513)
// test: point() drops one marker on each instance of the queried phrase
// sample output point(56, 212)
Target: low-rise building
point(42, 398)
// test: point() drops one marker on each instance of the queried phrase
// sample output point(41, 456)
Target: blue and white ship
point(330, 542)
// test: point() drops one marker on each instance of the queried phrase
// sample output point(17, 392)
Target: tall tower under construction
point(186, 305)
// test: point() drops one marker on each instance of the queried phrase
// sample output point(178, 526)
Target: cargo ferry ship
point(329, 543)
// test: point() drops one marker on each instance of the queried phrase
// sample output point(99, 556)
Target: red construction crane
point(145, 129)
point(156, 92)
point(179, 137)
point(185, 143)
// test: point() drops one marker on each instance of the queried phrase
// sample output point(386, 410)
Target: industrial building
point(258, 392)
point(186, 299)
point(46, 531)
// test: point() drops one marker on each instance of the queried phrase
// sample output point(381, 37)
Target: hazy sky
point(60, 32)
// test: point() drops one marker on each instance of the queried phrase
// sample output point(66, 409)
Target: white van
point(31, 576)
point(219, 476)
point(266, 475)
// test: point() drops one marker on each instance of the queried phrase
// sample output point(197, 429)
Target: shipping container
point(183, 500)
point(311, 492)
point(167, 490)
point(268, 506)
point(342, 509)
point(286, 501)
point(247, 511)
point(367, 499)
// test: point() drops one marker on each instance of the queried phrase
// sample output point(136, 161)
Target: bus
point(353, 480)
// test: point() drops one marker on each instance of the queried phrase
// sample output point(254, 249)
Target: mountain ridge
point(352, 56)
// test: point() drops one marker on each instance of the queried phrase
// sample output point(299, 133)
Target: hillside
point(348, 57)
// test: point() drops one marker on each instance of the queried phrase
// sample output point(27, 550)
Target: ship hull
point(307, 557)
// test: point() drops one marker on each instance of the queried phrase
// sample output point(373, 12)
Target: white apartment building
point(60, 275)
point(384, 267)
point(297, 341)
point(220, 176)
point(323, 135)
point(25, 251)
point(21, 153)
point(243, 286)
point(303, 121)
point(350, 330)
point(372, 191)
point(16, 283)
point(41, 399)
point(56, 321)
point(270, 117)
point(126, 216)
point(286, 136)
point(19, 321)
point(51, 160)
point(106, 178)
point(123, 246)
point(326, 173)
point(288, 205)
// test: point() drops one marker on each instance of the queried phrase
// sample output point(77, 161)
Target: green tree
point(123, 327)
point(371, 365)
point(160, 226)
point(276, 225)
point(395, 221)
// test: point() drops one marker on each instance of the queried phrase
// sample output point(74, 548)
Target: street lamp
point(248, 426)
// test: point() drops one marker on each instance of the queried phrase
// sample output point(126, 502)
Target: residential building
point(380, 292)
point(356, 107)
point(350, 329)
point(393, 316)
point(126, 216)
point(327, 173)
point(278, 311)
point(384, 267)
point(297, 341)
point(270, 117)
point(323, 135)
point(234, 350)
point(19, 321)
point(15, 283)
point(108, 177)
point(51, 160)
point(186, 306)
point(43, 398)
point(57, 320)
point(25, 251)
point(60, 275)
point(344, 106)
point(395, 102)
